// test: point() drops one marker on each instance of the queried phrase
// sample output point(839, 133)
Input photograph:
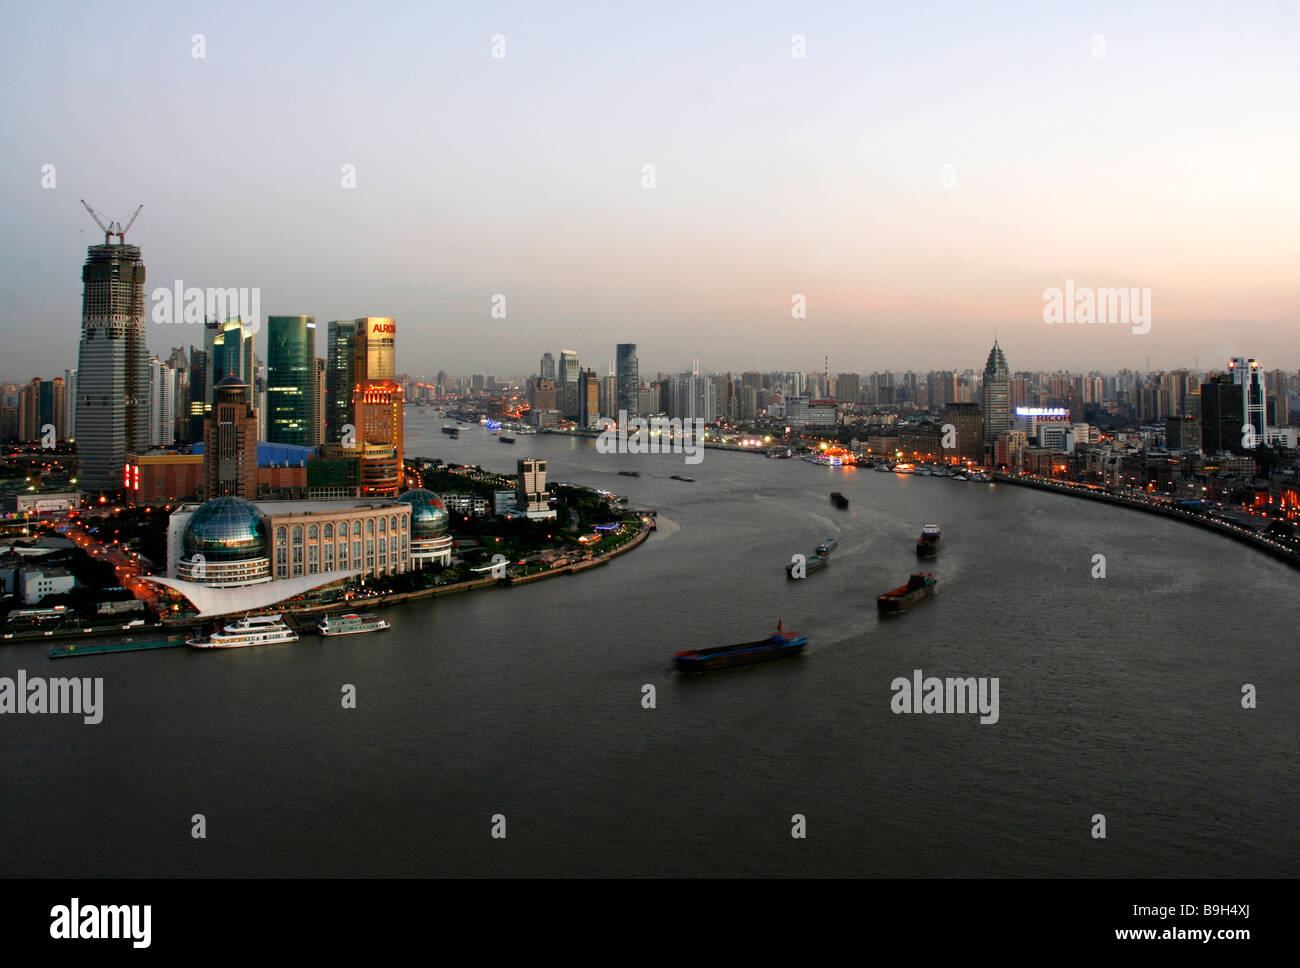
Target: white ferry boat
point(351, 624)
point(249, 630)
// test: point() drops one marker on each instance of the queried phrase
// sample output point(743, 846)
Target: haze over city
point(928, 171)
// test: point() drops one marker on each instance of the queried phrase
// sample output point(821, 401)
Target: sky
point(919, 178)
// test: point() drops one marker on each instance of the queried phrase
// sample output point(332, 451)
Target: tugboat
point(249, 630)
point(777, 646)
point(918, 588)
point(350, 624)
point(839, 500)
point(927, 546)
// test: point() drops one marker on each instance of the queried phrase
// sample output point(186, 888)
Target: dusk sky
point(1170, 164)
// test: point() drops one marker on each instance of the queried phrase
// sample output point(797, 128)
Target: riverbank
point(1263, 543)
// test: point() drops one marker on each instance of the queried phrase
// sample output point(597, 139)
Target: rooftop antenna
point(114, 228)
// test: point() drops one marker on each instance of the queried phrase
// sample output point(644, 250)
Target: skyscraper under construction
point(112, 405)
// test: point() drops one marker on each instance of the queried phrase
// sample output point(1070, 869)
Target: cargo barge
point(779, 645)
point(918, 588)
point(927, 546)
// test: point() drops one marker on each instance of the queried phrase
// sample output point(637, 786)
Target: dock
point(70, 651)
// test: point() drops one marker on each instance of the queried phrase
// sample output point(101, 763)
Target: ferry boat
point(927, 546)
point(813, 563)
point(839, 500)
point(249, 630)
point(919, 587)
point(827, 546)
point(779, 645)
point(351, 624)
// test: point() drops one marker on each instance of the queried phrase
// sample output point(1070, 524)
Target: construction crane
point(113, 228)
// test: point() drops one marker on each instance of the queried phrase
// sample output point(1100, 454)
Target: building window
point(281, 535)
point(297, 534)
point(370, 527)
point(383, 525)
point(329, 557)
point(328, 532)
point(370, 555)
point(313, 533)
point(356, 554)
point(356, 529)
point(343, 554)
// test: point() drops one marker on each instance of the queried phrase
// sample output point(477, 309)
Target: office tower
point(29, 411)
point(320, 369)
point(198, 396)
point(609, 396)
point(230, 443)
point(848, 388)
point(996, 395)
point(1222, 415)
point(340, 376)
point(530, 491)
point(1183, 433)
point(547, 367)
point(1254, 396)
point(70, 404)
point(588, 397)
point(291, 380)
point(112, 408)
point(378, 406)
point(162, 404)
point(628, 376)
point(969, 425)
point(375, 350)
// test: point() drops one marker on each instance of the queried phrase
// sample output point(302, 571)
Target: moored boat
point(919, 587)
point(248, 631)
point(779, 645)
point(350, 624)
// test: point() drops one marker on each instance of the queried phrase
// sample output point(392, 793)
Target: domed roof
point(428, 513)
point(227, 529)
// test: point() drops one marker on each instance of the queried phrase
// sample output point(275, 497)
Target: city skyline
point(913, 197)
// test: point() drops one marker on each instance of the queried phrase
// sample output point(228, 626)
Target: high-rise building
point(232, 354)
point(70, 404)
point(112, 407)
point(531, 489)
point(230, 443)
point(378, 406)
point(588, 397)
point(547, 367)
point(1222, 415)
point(966, 421)
point(320, 369)
point(162, 404)
point(291, 380)
point(1254, 396)
point(340, 376)
point(628, 379)
point(995, 395)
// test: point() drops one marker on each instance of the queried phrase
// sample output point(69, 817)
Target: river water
point(1118, 696)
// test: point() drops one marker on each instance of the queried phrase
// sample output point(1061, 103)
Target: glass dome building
point(430, 542)
point(226, 543)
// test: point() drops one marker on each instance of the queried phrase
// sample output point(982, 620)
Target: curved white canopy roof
point(212, 601)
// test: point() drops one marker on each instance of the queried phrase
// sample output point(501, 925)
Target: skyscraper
point(112, 408)
point(547, 367)
point(628, 377)
point(1222, 415)
point(1254, 396)
point(341, 335)
point(230, 443)
point(378, 405)
point(995, 395)
point(291, 380)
